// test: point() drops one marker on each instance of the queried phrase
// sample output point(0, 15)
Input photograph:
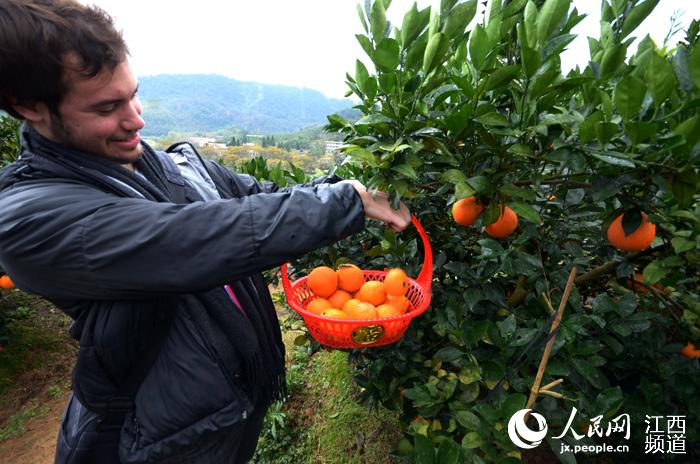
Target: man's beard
point(64, 135)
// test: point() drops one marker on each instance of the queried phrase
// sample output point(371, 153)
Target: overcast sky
point(302, 43)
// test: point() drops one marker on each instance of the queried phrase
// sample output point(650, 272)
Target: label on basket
point(367, 334)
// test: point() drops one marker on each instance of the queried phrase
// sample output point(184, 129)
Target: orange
point(372, 292)
point(399, 302)
point(396, 282)
point(361, 310)
point(350, 277)
point(338, 299)
point(637, 240)
point(318, 305)
point(505, 225)
point(466, 210)
point(387, 310)
point(323, 281)
point(6, 282)
point(333, 313)
point(689, 351)
point(350, 304)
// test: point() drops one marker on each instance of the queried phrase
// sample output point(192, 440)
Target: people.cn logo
point(521, 435)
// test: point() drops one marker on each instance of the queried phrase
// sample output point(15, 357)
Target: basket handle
point(424, 279)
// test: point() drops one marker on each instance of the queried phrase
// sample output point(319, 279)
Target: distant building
point(201, 141)
point(333, 146)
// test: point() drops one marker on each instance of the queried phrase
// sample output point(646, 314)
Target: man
point(156, 256)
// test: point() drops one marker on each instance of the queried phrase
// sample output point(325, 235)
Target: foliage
point(450, 113)
point(9, 139)
point(9, 149)
point(234, 157)
point(201, 103)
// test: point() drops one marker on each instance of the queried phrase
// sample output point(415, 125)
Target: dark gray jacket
point(108, 261)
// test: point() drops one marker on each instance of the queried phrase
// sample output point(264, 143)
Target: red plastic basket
point(364, 333)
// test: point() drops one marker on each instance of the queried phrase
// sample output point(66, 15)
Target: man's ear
point(36, 113)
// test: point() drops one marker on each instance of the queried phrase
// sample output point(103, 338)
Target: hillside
point(202, 103)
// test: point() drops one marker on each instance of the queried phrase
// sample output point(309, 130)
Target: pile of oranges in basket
point(345, 293)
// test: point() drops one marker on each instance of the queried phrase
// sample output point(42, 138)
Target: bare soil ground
point(35, 371)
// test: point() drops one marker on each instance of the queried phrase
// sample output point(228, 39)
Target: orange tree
point(9, 149)
point(449, 113)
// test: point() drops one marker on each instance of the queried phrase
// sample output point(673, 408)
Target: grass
point(33, 334)
point(351, 433)
point(15, 426)
point(322, 422)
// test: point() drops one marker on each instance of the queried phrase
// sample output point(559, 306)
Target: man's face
point(100, 115)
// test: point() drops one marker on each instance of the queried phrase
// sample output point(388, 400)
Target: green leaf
point(654, 272)
point(586, 130)
point(590, 373)
point(365, 44)
point(512, 404)
point(478, 47)
point(684, 184)
point(526, 211)
point(694, 65)
point(635, 17)
point(511, 190)
point(453, 176)
point(502, 76)
point(374, 118)
point(681, 245)
point(660, 77)
point(609, 401)
point(627, 305)
point(550, 17)
point(613, 57)
point(531, 60)
point(449, 354)
point(575, 196)
point(468, 420)
point(405, 169)
point(430, 57)
point(605, 131)
point(425, 452)
point(386, 56)
point(414, 57)
point(472, 440)
point(681, 66)
point(530, 22)
point(377, 20)
point(361, 75)
point(361, 14)
point(448, 452)
point(410, 27)
point(639, 131)
point(628, 96)
point(493, 119)
point(463, 190)
point(459, 18)
point(480, 183)
point(361, 156)
point(603, 304)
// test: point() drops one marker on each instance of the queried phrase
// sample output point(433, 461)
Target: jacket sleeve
point(76, 242)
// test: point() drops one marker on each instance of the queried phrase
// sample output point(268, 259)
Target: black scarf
point(255, 336)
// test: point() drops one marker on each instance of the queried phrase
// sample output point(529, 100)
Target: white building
point(333, 146)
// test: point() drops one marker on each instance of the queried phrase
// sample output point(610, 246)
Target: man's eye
point(105, 111)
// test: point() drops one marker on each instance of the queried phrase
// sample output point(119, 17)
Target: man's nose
point(133, 120)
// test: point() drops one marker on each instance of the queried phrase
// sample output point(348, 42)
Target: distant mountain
point(202, 103)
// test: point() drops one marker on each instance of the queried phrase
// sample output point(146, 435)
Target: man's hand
point(377, 207)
